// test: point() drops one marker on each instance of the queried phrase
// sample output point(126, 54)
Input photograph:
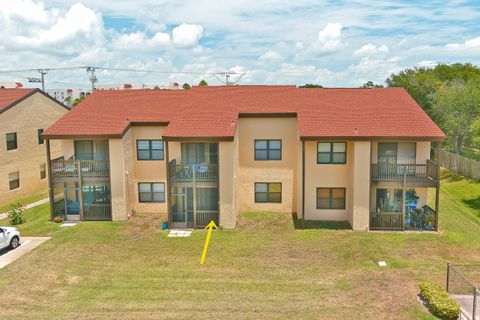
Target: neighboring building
point(67, 96)
point(24, 114)
point(130, 86)
point(11, 85)
point(356, 155)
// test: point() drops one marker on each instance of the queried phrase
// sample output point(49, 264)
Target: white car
point(9, 237)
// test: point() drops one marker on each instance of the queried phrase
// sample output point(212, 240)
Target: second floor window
point(149, 150)
point(40, 137)
point(332, 152)
point(268, 149)
point(12, 141)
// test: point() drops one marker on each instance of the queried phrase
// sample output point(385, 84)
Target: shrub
point(440, 303)
point(15, 214)
point(58, 219)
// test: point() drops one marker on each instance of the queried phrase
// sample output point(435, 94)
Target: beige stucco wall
point(326, 175)
point(148, 170)
point(35, 112)
point(283, 171)
point(119, 178)
point(360, 215)
point(226, 183)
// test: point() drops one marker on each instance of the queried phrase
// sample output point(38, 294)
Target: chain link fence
point(463, 283)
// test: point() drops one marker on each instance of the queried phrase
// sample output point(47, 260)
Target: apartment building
point(24, 114)
point(355, 155)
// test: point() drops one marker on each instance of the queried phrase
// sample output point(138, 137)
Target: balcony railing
point(97, 212)
point(419, 219)
point(412, 173)
point(203, 172)
point(75, 168)
point(204, 218)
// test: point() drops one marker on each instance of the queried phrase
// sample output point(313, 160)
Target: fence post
point(474, 311)
point(448, 277)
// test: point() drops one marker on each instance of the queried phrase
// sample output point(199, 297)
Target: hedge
point(440, 303)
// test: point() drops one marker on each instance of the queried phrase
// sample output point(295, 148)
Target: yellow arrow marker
point(210, 226)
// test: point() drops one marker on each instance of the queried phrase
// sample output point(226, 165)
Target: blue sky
point(333, 43)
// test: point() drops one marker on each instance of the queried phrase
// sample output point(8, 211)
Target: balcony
point(203, 172)
point(80, 168)
point(412, 174)
point(419, 219)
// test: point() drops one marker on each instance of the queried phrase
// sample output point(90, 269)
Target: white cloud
point(471, 43)
point(270, 55)
point(139, 41)
point(370, 49)
point(329, 38)
point(187, 35)
point(29, 25)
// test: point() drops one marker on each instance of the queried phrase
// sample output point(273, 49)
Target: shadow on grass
point(473, 203)
point(450, 176)
point(327, 225)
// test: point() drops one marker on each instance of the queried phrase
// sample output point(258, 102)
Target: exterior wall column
point(361, 185)
point(226, 184)
point(118, 180)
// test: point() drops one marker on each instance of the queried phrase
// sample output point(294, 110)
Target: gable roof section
point(213, 112)
point(11, 97)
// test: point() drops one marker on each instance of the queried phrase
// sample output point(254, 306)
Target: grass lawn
point(264, 269)
point(25, 200)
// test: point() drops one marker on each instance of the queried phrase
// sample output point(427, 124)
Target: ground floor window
point(14, 180)
point(151, 192)
point(268, 192)
point(43, 171)
point(331, 198)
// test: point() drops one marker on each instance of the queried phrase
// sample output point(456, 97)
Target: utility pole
point(93, 77)
point(43, 72)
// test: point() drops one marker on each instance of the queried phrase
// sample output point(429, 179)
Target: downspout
point(50, 185)
point(303, 184)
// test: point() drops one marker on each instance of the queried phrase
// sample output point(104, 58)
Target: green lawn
point(25, 200)
point(264, 269)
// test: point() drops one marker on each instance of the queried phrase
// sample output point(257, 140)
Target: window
point(14, 180)
point(43, 171)
point(268, 192)
point(268, 149)
point(332, 152)
point(11, 141)
point(151, 192)
point(331, 198)
point(149, 150)
point(40, 137)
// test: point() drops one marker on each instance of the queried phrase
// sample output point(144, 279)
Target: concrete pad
point(179, 233)
point(69, 224)
point(27, 244)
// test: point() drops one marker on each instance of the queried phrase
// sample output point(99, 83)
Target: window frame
point(152, 192)
point(268, 192)
point(268, 149)
point(332, 153)
point(331, 198)
point(16, 140)
point(10, 181)
point(40, 137)
point(150, 149)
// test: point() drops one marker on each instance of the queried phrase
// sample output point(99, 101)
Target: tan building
point(355, 155)
point(24, 114)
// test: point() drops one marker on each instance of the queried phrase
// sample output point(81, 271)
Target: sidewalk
point(28, 206)
point(27, 244)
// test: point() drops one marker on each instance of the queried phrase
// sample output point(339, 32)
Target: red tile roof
point(9, 97)
point(214, 112)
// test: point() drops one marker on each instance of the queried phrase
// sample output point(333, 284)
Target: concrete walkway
point(27, 244)
point(28, 206)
